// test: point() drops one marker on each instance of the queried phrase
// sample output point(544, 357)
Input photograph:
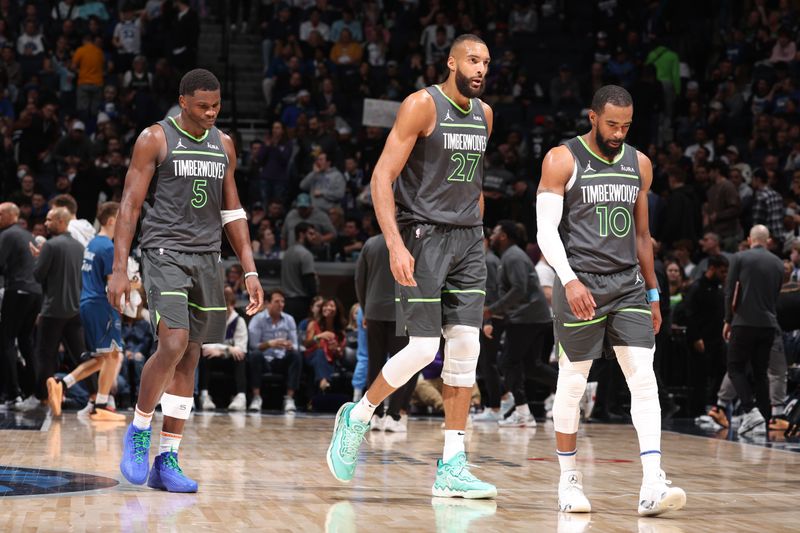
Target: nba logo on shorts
point(418, 232)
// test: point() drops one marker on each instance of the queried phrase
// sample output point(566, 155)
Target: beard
point(607, 149)
point(464, 86)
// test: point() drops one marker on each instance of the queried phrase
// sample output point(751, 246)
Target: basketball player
point(101, 323)
point(432, 223)
point(182, 177)
point(593, 230)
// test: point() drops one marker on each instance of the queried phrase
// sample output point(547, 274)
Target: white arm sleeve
point(549, 208)
point(229, 215)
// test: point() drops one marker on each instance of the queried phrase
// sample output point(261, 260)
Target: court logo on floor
point(16, 481)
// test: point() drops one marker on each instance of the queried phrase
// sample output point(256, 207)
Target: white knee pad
point(176, 406)
point(418, 354)
point(462, 347)
point(569, 390)
point(637, 365)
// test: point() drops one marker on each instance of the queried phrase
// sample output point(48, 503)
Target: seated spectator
point(347, 22)
point(346, 52)
point(227, 356)
point(266, 247)
point(348, 245)
point(336, 215)
point(314, 24)
point(325, 342)
point(325, 183)
point(234, 279)
point(274, 348)
point(314, 313)
point(304, 211)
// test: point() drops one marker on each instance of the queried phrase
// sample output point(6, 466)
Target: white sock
point(453, 443)
point(141, 420)
point(169, 442)
point(363, 410)
point(68, 380)
point(111, 402)
point(101, 399)
point(651, 463)
point(523, 409)
point(568, 460)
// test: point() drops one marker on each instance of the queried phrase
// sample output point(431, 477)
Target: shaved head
point(9, 214)
point(759, 234)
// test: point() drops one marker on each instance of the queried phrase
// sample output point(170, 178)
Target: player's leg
point(110, 344)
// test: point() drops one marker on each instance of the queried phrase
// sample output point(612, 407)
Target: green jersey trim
point(464, 291)
point(174, 293)
point(606, 161)
point(473, 126)
point(421, 300)
point(610, 175)
point(200, 308)
point(465, 111)
point(198, 152)
point(634, 310)
point(585, 323)
point(192, 137)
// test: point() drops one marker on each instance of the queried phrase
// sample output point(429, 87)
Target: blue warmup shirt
point(97, 262)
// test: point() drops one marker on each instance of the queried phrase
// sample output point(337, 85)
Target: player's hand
point(656, 310)
point(699, 346)
point(118, 287)
point(726, 332)
point(402, 264)
point(488, 329)
point(256, 295)
point(581, 302)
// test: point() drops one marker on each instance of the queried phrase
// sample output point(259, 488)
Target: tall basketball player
point(593, 230)
point(433, 228)
point(182, 178)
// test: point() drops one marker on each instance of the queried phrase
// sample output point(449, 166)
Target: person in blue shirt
point(101, 323)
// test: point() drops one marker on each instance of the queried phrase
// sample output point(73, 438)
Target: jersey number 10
point(461, 161)
point(618, 220)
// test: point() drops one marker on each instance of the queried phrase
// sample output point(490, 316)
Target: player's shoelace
point(141, 444)
point(351, 440)
point(460, 471)
point(171, 462)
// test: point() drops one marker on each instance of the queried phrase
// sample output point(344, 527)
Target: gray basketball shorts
point(185, 291)
point(450, 271)
point(622, 316)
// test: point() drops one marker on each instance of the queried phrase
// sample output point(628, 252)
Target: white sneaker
point(206, 403)
point(657, 497)
point(507, 404)
point(112, 403)
point(571, 498)
point(753, 421)
point(288, 405)
point(86, 411)
point(255, 404)
point(378, 422)
point(488, 415)
point(396, 426)
point(28, 404)
point(549, 401)
point(517, 420)
point(239, 402)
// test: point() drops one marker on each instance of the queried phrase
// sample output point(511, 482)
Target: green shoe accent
point(342, 453)
point(453, 479)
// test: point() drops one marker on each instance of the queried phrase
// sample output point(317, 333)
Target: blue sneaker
point(347, 436)
point(167, 475)
point(453, 480)
point(136, 455)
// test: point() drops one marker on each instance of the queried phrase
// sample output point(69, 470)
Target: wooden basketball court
point(268, 473)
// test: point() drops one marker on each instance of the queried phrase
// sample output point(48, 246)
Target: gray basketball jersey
point(182, 209)
point(442, 179)
point(597, 226)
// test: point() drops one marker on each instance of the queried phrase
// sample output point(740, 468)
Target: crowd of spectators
point(715, 88)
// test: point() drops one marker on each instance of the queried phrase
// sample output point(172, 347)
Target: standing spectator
point(768, 206)
point(31, 48)
point(314, 24)
point(325, 183)
point(227, 356)
point(298, 276)
point(710, 246)
point(347, 22)
point(724, 206)
point(89, 61)
point(274, 159)
point(305, 212)
point(127, 38)
point(751, 293)
point(324, 342)
point(22, 299)
point(349, 245)
point(58, 269)
point(274, 347)
point(185, 34)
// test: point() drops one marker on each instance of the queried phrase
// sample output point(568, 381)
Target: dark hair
point(677, 173)
point(273, 292)
point(509, 227)
point(198, 79)
point(717, 261)
point(340, 319)
point(65, 200)
point(611, 94)
point(464, 37)
point(301, 228)
point(107, 210)
point(354, 220)
point(720, 167)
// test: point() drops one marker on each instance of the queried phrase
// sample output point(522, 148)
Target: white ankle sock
point(453, 443)
point(523, 409)
point(568, 460)
point(363, 410)
point(651, 463)
point(68, 380)
point(101, 399)
point(169, 442)
point(141, 420)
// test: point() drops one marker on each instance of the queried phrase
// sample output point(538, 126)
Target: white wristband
point(230, 215)
point(549, 208)
point(248, 274)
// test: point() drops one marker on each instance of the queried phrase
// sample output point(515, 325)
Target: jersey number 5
point(618, 220)
point(461, 161)
point(200, 194)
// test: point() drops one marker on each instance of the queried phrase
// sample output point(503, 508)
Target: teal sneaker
point(347, 436)
point(453, 480)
